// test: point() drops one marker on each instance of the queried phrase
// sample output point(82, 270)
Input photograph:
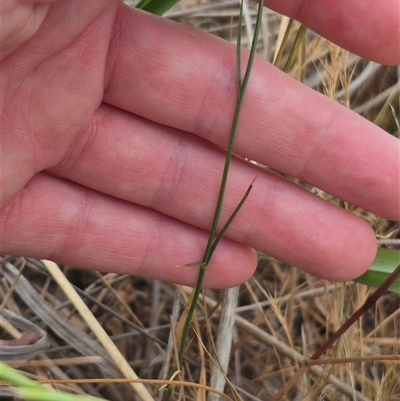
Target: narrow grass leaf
point(295, 49)
point(210, 248)
point(231, 217)
point(31, 390)
point(36, 394)
point(385, 262)
point(157, 7)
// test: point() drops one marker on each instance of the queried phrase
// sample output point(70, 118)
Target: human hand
point(113, 121)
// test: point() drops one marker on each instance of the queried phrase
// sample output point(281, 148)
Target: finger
point(179, 175)
point(365, 27)
point(58, 220)
point(283, 124)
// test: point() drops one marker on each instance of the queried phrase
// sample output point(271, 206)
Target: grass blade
point(231, 217)
point(295, 49)
point(385, 262)
point(212, 241)
point(157, 7)
point(210, 248)
point(31, 390)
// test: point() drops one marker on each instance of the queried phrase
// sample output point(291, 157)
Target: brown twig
point(369, 303)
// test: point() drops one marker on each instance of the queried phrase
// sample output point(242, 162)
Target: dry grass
point(283, 314)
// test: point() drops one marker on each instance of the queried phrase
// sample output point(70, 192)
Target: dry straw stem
point(97, 329)
point(78, 360)
point(25, 346)
point(224, 340)
point(140, 381)
point(287, 351)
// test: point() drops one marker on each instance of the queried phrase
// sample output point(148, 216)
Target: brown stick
point(369, 303)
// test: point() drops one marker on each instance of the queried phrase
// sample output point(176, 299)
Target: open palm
point(114, 123)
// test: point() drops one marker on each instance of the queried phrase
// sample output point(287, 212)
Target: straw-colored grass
point(283, 314)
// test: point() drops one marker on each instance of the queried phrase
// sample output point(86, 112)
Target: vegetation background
point(298, 310)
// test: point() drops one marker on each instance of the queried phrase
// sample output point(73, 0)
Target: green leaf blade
point(157, 7)
point(385, 262)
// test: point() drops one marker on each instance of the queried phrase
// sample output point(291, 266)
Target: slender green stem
point(238, 48)
point(231, 217)
point(295, 49)
point(283, 43)
point(157, 7)
point(242, 84)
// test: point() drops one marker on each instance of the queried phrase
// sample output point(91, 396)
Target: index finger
point(187, 81)
point(365, 27)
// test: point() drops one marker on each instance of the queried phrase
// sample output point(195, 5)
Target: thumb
point(20, 21)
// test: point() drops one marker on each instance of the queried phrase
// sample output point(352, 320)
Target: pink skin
point(113, 122)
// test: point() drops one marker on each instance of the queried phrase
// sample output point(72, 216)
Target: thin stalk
point(231, 217)
point(242, 84)
point(212, 241)
point(296, 46)
point(369, 303)
point(225, 227)
point(283, 43)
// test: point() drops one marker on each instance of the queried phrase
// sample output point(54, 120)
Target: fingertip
point(352, 253)
point(367, 28)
